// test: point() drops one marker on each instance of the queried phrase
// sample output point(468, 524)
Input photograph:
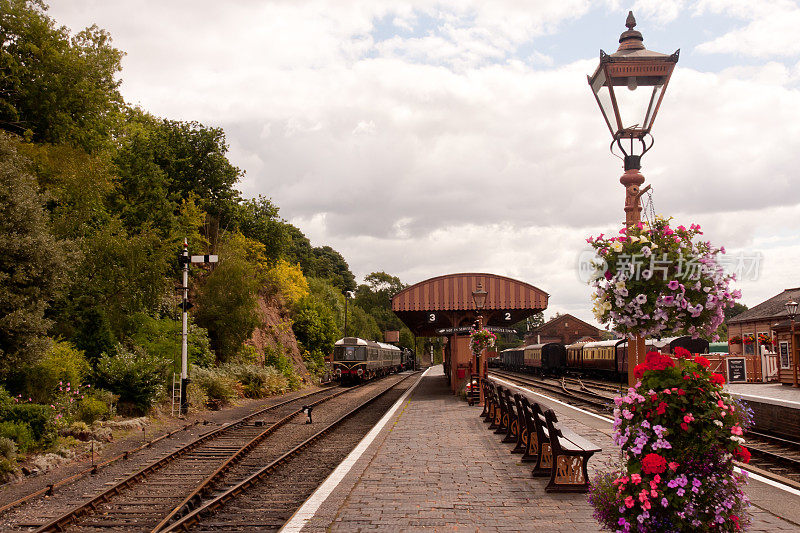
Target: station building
point(762, 335)
point(565, 329)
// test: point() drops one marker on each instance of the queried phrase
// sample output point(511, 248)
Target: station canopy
point(444, 305)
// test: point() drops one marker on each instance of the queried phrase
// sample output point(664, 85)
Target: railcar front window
point(349, 353)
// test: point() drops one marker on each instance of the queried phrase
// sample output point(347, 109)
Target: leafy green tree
point(375, 297)
point(120, 275)
point(56, 87)
point(227, 302)
point(258, 219)
point(315, 330)
point(330, 264)
point(138, 378)
point(32, 262)
point(161, 337)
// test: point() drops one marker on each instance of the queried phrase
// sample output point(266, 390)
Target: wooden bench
point(556, 452)
point(570, 455)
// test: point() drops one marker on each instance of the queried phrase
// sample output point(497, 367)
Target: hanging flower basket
point(735, 340)
point(679, 432)
point(765, 339)
point(481, 339)
point(659, 281)
point(748, 338)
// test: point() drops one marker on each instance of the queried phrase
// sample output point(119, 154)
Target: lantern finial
point(631, 39)
point(630, 22)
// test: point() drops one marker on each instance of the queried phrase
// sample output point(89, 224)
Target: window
point(349, 353)
point(749, 342)
point(784, 353)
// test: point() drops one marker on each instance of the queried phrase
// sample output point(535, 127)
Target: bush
point(275, 359)
point(92, 409)
point(135, 376)
point(18, 432)
point(217, 387)
point(63, 363)
point(8, 457)
point(257, 382)
point(38, 417)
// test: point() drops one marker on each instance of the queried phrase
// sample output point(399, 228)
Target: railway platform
point(434, 466)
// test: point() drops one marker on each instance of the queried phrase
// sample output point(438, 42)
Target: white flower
point(720, 423)
point(634, 238)
point(617, 246)
point(619, 285)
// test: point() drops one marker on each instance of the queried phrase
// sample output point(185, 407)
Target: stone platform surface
point(436, 467)
point(788, 396)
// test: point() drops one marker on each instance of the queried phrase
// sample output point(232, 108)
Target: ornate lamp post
point(791, 310)
point(629, 86)
point(479, 299)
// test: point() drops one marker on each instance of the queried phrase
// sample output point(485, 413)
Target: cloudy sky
point(428, 137)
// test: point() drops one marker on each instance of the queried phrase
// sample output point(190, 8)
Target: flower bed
point(660, 281)
point(679, 433)
point(480, 339)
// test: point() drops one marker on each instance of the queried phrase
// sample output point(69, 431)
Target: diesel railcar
point(356, 360)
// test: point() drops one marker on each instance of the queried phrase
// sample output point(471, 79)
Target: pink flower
point(636, 479)
point(736, 430)
point(657, 479)
point(688, 418)
point(629, 502)
point(673, 466)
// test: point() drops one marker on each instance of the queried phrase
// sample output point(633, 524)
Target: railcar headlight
point(360, 371)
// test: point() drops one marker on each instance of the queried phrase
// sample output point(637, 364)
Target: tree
point(315, 330)
point(227, 302)
point(257, 219)
point(328, 263)
point(32, 262)
point(57, 88)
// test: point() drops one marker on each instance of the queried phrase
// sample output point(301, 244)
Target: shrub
point(275, 359)
point(217, 387)
point(92, 409)
point(8, 457)
point(256, 381)
point(18, 432)
point(38, 417)
point(62, 363)
point(135, 376)
point(287, 281)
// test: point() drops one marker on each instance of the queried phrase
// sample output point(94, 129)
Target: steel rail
point(48, 490)
point(561, 389)
point(194, 516)
point(205, 485)
point(58, 523)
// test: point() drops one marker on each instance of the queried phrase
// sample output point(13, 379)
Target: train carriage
point(357, 359)
point(545, 358)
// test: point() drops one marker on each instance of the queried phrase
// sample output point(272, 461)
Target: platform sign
point(784, 353)
point(737, 372)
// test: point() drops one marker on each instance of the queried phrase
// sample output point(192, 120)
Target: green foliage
point(227, 303)
point(8, 456)
point(63, 363)
point(98, 405)
point(137, 377)
point(161, 338)
point(31, 262)
point(321, 262)
point(217, 387)
point(257, 219)
point(375, 298)
point(38, 417)
point(275, 358)
point(18, 432)
point(315, 330)
point(256, 381)
point(57, 87)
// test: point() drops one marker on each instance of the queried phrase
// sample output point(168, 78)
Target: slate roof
point(561, 318)
point(770, 309)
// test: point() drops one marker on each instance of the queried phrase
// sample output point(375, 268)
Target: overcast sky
point(430, 137)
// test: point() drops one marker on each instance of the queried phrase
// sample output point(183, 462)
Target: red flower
point(653, 397)
point(682, 353)
point(743, 454)
point(640, 369)
point(684, 426)
point(681, 392)
point(702, 361)
point(662, 408)
point(653, 464)
point(718, 379)
point(657, 361)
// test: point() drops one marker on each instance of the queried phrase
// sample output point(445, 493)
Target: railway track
point(265, 499)
point(142, 499)
point(582, 397)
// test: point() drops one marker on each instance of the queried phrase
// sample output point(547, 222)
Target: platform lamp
point(791, 310)
point(479, 299)
point(629, 86)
